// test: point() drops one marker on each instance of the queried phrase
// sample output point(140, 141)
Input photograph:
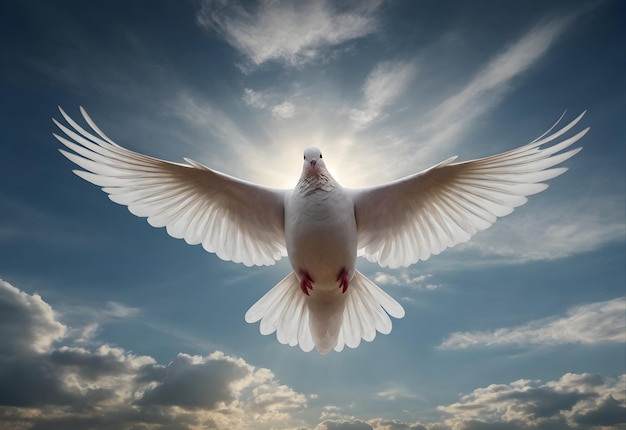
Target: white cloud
point(404, 279)
point(255, 99)
point(119, 310)
point(284, 110)
point(594, 323)
point(294, 33)
point(27, 324)
point(87, 333)
point(383, 86)
point(395, 393)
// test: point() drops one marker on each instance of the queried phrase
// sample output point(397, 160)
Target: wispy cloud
point(205, 121)
point(452, 116)
point(291, 33)
point(405, 279)
point(382, 87)
point(86, 321)
point(395, 393)
point(284, 110)
point(205, 116)
point(566, 229)
point(119, 310)
point(594, 323)
point(256, 99)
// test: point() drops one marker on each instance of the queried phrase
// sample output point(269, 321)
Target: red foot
point(343, 280)
point(305, 282)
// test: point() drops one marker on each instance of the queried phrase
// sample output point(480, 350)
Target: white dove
point(321, 226)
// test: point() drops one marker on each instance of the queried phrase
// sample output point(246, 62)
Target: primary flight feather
point(325, 303)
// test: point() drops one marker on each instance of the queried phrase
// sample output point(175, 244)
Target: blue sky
point(109, 323)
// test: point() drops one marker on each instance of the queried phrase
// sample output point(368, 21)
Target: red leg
point(305, 282)
point(343, 280)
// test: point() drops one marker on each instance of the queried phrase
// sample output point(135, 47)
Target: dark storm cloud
point(42, 387)
point(609, 412)
point(344, 425)
point(567, 403)
point(545, 403)
point(190, 385)
point(31, 382)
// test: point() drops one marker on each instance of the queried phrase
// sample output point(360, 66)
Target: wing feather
point(237, 220)
point(410, 219)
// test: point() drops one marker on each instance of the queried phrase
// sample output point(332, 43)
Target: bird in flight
point(324, 303)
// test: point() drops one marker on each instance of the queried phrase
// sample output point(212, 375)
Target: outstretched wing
point(408, 220)
point(237, 220)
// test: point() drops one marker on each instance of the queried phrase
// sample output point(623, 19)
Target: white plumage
point(322, 227)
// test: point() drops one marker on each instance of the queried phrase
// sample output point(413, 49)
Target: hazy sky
point(109, 323)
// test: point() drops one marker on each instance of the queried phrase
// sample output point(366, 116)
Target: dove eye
point(320, 155)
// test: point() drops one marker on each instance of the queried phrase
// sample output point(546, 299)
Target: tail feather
point(317, 321)
point(366, 312)
point(283, 310)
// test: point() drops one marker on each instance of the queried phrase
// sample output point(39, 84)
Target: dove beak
point(313, 163)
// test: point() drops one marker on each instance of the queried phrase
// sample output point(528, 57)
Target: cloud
point(284, 110)
point(86, 321)
point(194, 382)
point(29, 316)
point(290, 33)
point(381, 424)
point(229, 138)
point(70, 387)
point(267, 100)
point(594, 323)
point(42, 386)
point(570, 402)
point(395, 393)
point(566, 229)
point(344, 425)
point(387, 82)
point(405, 279)
point(119, 310)
point(256, 99)
point(450, 118)
point(574, 401)
point(208, 119)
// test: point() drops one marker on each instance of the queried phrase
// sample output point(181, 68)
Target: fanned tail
point(283, 310)
point(365, 313)
point(325, 319)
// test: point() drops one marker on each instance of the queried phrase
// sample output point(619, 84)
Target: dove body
point(321, 240)
point(320, 227)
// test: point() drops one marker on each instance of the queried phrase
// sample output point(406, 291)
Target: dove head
point(313, 162)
